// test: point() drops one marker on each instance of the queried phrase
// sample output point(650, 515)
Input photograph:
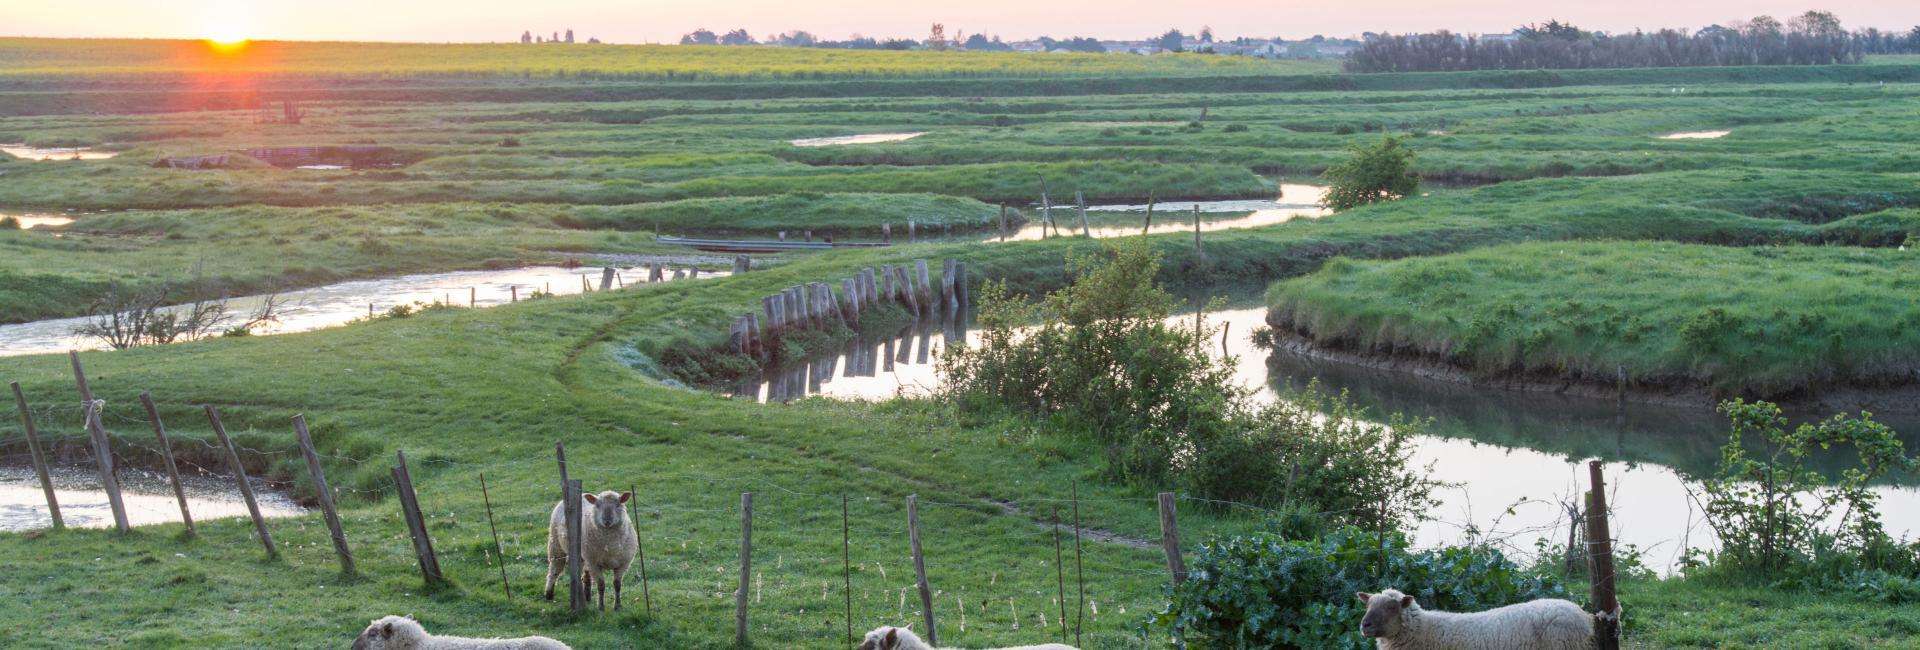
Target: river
point(148, 498)
point(1501, 449)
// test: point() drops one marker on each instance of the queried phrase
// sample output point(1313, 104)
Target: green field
point(1553, 212)
point(1664, 314)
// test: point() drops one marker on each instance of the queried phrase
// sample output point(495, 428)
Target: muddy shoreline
point(1887, 398)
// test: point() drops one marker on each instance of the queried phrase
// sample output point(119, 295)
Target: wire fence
point(688, 543)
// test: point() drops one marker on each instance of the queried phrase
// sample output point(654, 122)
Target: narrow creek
point(1514, 458)
point(1295, 201)
point(338, 304)
point(25, 152)
point(148, 498)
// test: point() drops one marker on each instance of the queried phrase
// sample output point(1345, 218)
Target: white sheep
point(900, 638)
point(607, 542)
point(403, 633)
point(1395, 622)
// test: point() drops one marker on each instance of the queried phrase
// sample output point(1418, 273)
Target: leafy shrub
point(1099, 360)
point(1378, 172)
point(1268, 591)
point(9, 223)
point(1344, 129)
point(1778, 518)
point(1236, 128)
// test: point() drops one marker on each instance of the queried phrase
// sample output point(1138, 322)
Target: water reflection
point(870, 138)
point(148, 498)
point(25, 152)
point(1695, 135)
point(1515, 457)
point(29, 221)
point(338, 304)
point(1296, 201)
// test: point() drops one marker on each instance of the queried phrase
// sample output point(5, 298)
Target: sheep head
point(391, 632)
point(1384, 612)
point(891, 638)
point(609, 508)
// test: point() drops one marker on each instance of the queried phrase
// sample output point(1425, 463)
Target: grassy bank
point(1761, 321)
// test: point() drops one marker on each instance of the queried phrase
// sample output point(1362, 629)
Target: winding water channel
point(1501, 449)
point(148, 498)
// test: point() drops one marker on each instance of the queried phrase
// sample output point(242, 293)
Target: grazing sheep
point(403, 633)
point(607, 543)
point(900, 638)
point(1395, 622)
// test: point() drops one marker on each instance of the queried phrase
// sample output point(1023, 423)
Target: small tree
point(1771, 511)
point(1376, 173)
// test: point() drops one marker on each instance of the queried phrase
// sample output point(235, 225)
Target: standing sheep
point(900, 638)
point(1395, 622)
point(403, 633)
point(607, 542)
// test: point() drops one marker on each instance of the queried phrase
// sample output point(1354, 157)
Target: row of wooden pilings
point(819, 304)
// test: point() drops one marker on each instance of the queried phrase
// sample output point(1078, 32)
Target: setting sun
point(226, 42)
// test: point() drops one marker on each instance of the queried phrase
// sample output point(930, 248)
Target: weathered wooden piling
point(923, 286)
point(324, 492)
point(912, 233)
point(166, 454)
point(1606, 622)
point(886, 233)
point(40, 459)
point(606, 278)
point(656, 272)
point(1003, 222)
point(240, 479)
point(1080, 201)
point(742, 264)
point(102, 446)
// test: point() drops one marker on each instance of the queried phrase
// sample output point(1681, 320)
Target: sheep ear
point(893, 639)
point(624, 496)
point(591, 499)
point(1363, 596)
point(386, 630)
point(1406, 601)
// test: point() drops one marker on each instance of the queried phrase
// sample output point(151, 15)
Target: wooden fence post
point(240, 478)
point(166, 454)
point(473, 297)
point(326, 495)
point(1197, 252)
point(102, 446)
point(1046, 211)
point(923, 285)
point(920, 567)
point(1606, 622)
point(40, 459)
point(960, 284)
point(1146, 225)
point(886, 233)
point(416, 522)
point(1003, 222)
point(912, 232)
point(606, 278)
point(1170, 539)
point(578, 592)
point(846, 564)
point(742, 264)
point(513, 293)
point(1080, 200)
point(1079, 571)
point(1059, 574)
point(498, 556)
point(640, 545)
point(746, 570)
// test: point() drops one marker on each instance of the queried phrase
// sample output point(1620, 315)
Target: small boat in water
point(761, 246)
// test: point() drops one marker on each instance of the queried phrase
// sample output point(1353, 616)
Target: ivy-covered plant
point(1266, 591)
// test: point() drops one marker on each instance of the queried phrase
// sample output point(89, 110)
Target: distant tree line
point(1813, 38)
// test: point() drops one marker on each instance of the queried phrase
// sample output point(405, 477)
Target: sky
point(654, 21)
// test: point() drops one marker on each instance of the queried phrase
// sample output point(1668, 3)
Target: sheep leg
point(553, 572)
point(600, 580)
point(616, 591)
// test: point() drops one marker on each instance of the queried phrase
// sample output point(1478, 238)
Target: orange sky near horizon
point(655, 21)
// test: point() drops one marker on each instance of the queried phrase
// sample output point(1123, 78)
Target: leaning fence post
point(102, 447)
point(1080, 199)
point(1079, 571)
point(166, 454)
point(1059, 574)
point(40, 460)
point(1197, 252)
point(416, 523)
point(1146, 225)
point(846, 564)
point(1170, 539)
point(746, 569)
point(240, 478)
point(498, 557)
point(640, 545)
point(326, 494)
point(1606, 622)
point(920, 567)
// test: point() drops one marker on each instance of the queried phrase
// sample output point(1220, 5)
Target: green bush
point(1778, 518)
point(1268, 591)
point(1380, 172)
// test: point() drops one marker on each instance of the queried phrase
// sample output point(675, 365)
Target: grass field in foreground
point(1763, 320)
